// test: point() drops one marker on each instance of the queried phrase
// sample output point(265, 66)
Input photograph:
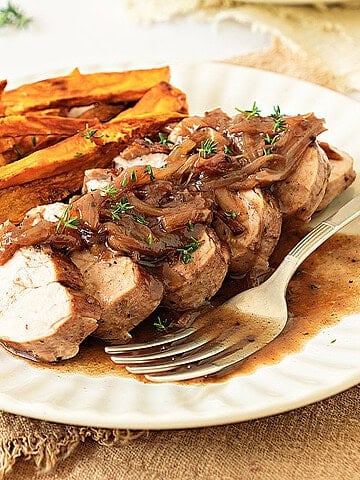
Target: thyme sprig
point(254, 112)
point(279, 122)
point(109, 191)
point(149, 170)
point(230, 214)
point(187, 250)
point(67, 221)
point(159, 324)
point(140, 219)
point(12, 16)
point(119, 208)
point(90, 133)
point(207, 148)
point(163, 139)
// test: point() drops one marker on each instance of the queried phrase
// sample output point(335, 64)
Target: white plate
point(319, 370)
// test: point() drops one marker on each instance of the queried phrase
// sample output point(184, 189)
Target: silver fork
point(240, 327)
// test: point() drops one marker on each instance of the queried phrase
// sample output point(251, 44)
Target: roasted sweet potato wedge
point(161, 98)
point(55, 172)
point(15, 148)
point(82, 89)
point(31, 124)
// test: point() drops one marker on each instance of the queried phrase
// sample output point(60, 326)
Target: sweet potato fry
point(55, 172)
point(82, 89)
point(19, 147)
point(161, 98)
point(22, 125)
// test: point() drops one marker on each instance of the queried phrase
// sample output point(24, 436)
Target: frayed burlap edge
point(46, 451)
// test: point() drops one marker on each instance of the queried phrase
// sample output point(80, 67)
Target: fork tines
point(189, 353)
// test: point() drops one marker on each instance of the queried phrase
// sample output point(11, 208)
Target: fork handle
point(316, 237)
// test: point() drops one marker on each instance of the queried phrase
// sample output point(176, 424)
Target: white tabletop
point(71, 33)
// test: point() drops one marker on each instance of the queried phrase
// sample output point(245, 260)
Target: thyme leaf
point(67, 221)
point(12, 16)
point(140, 219)
point(254, 112)
point(187, 250)
point(133, 176)
point(120, 207)
point(159, 324)
point(90, 133)
point(148, 169)
point(164, 139)
point(207, 148)
point(230, 214)
point(110, 191)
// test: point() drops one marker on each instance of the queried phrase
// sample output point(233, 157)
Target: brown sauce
point(325, 288)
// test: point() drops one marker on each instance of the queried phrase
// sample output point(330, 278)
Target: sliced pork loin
point(191, 282)
point(301, 193)
point(342, 174)
point(43, 314)
point(249, 222)
point(126, 292)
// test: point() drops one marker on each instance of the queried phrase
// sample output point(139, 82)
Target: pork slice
point(342, 174)
point(301, 193)
point(189, 285)
point(43, 314)
point(243, 233)
point(126, 292)
point(272, 222)
point(34, 267)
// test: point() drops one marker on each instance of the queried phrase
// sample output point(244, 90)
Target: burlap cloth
point(320, 441)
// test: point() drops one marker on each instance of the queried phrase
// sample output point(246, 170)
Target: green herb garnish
point(133, 176)
point(190, 226)
point(269, 140)
point(280, 124)
point(187, 250)
point(207, 148)
point(124, 182)
point(67, 221)
point(140, 219)
point(230, 214)
point(12, 16)
point(110, 191)
point(120, 207)
point(34, 140)
point(254, 112)
point(78, 154)
point(228, 150)
point(150, 239)
point(90, 133)
point(164, 140)
point(159, 324)
point(277, 112)
point(149, 170)
point(18, 150)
